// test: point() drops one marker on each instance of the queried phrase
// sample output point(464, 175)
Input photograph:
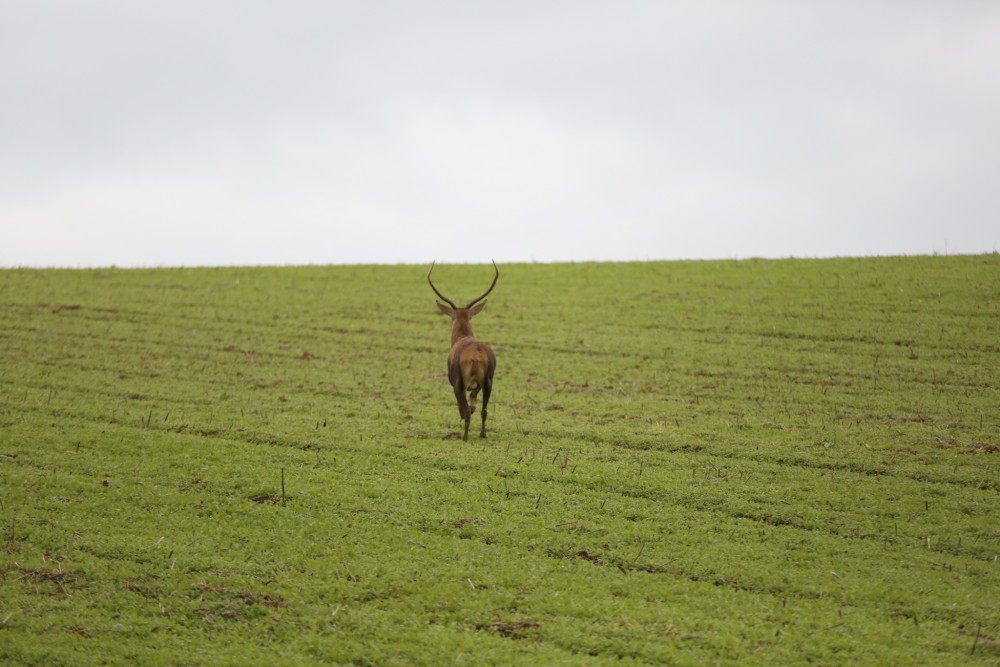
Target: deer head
point(460, 317)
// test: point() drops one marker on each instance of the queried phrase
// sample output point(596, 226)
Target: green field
point(753, 462)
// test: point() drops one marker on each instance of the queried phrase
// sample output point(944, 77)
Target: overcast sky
point(217, 133)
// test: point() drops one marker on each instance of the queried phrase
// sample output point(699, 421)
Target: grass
point(751, 462)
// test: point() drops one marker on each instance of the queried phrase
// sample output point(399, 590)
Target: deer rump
point(470, 368)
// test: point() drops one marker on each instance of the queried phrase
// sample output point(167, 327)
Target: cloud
point(234, 133)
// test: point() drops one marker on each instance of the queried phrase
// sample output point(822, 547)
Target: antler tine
point(494, 284)
point(443, 297)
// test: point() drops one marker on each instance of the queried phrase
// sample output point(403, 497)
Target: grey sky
point(189, 133)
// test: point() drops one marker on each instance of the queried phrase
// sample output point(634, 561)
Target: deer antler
point(483, 296)
point(443, 297)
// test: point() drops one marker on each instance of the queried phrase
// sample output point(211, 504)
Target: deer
point(470, 362)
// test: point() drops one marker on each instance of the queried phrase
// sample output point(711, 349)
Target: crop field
point(733, 462)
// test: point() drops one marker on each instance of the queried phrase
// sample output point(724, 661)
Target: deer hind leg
point(474, 387)
point(487, 390)
point(463, 406)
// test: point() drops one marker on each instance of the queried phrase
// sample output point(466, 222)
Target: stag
point(470, 362)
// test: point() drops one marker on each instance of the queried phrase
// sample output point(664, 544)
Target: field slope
point(753, 462)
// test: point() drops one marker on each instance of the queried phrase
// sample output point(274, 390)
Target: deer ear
point(445, 309)
point(476, 308)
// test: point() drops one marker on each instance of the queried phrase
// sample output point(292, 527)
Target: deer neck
point(461, 328)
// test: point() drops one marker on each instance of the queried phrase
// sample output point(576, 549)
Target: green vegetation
point(690, 462)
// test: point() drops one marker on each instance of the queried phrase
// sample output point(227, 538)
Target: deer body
point(470, 362)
